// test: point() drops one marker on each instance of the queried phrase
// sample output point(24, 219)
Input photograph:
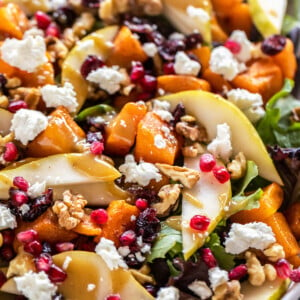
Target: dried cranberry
point(99, 216)
point(283, 268)
point(64, 16)
point(65, 246)
point(113, 297)
point(137, 72)
point(56, 274)
point(193, 40)
point(18, 197)
point(238, 272)
point(144, 193)
point(11, 152)
point(221, 174)
point(199, 222)
point(127, 238)
point(168, 68)
point(97, 148)
point(44, 262)
point(3, 82)
point(7, 252)
point(141, 204)
point(132, 261)
point(91, 63)
point(21, 183)
point(53, 30)
point(149, 83)
point(34, 248)
point(178, 112)
point(170, 47)
point(8, 236)
point(42, 20)
point(295, 275)
point(207, 162)
point(273, 44)
point(208, 258)
point(233, 46)
point(91, 3)
point(2, 278)
point(27, 236)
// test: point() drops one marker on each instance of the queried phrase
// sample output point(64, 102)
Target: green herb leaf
point(99, 109)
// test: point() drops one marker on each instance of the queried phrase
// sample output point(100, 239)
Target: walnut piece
point(30, 95)
point(230, 290)
point(192, 150)
point(70, 211)
point(13, 82)
point(274, 252)
point(192, 132)
point(57, 49)
point(188, 177)
point(3, 101)
point(270, 272)
point(255, 270)
point(21, 264)
point(237, 167)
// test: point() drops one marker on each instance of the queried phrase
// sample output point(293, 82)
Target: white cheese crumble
point(201, 289)
point(124, 250)
point(141, 173)
point(107, 250)
point(199, 15)
point(55, 96)
point(159, 141)
point(28, 124)
point(256, 235)
point(240, 37)
point(176, 36)
point(27, 54)
point(109, 79)
point(56, 4)
point(35, 286)
point(91, 287)
point(251, 104)
point(150, 49)
point(24, 208)
point(168, 293)
point(7, 219)
point(139, 256)
point(217, 277)
point(36, 189)
point(162, 109)
point(66, 262)
point(224, 63)
point(221, 146)
point(185, 66)
point(33, 32)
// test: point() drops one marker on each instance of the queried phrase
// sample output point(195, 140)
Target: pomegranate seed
point(34, 248)
point(97, 148)
point(221, 174)
point(207, 162)
point(208, 258)
point(199, 222)
point(168, 68)
point(233, 46)
point(8, 237)
point(137, 72)
point(62, 247)
point(2, 278)
point(14, 106)
point(283, 268)
point(27, 236)
point(18, 197)
point(273, 44)
point(149, 83)
point(99, 216)
point(44, 262)
point(91, 63)
point(113, 297)
point(21, 183)
point(11, 152)
point(56, 274)
point(42, 20)
point(7, 252)
point(238, 272)
point(52, 30)
point(128, 238)
point(295, 275)
point(141, 204)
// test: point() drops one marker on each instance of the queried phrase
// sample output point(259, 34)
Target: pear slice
point(268, 15)
point(30, 7)
point(5, 121)
point(60, 170)
point(207, 197)
point(97, 43)
point(211, 110)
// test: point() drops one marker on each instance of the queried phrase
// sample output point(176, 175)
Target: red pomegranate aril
point(56, 274)
point(199, 223)
point(99, 216)
point(221, 174)
point(27, 236)
point(52, 30)
point(11, 152)
point(7, 252)
point(97, 148)
point(91, 63)
point(168, 68)
point(295, 275)
point(3, 278)
point(35, 248)
point(14, 106)
point(66, 246)
point(21, 183)
point(238, 272)
point(8, 237)
point(208, 258)
point(141, 204)
point(273, 45)
point(207, 162)
point(113, 297)
point(137, 72)
point(127, 238)
point(149, 83)
point(42, 20)
point(283, 268)
point(233, 46)
point(44, 262)
point(18, 197)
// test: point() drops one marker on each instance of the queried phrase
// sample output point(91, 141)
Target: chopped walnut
point(188, 177)
point(255, 270)
point(150, 7)
point(270, 272)
point(169, 195)
point(192, 150)
point(188, 119)
point(274, 252)
point(57, 49)
point(230, 290)
point(13, 83)
point(192, 132)
point(6, 139)
point(3, 101)
point(83, 24)
point(30, 95)
point(70, 210)
point(237, 167)
point(69, 39)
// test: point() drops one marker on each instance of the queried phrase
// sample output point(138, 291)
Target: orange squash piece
point(283, 234)
point(119, 220)
point(146, 149)
point(126, 49)
point(179, 83)
point(203, 55)
point(286, 60)
point(269, 204)
point(218, 34)
point(121, 132)
point(222, 7)
point(293, 216)
point(217, 81)
point(60, 136)
point(294, 260)
point(262, 76)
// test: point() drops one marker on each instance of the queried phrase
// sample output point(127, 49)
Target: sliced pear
point(97, 43)
point(5, 121)
point(207, 197)
point(60, 170)
point(211, 110)
point(176, 12)
point(268, 15)
point(30, 7)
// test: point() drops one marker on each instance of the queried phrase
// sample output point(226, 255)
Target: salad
point(149, 149)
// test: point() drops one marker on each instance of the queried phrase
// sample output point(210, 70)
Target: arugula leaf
point(169, 241)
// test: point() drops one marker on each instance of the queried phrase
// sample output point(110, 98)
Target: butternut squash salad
point(149, 150)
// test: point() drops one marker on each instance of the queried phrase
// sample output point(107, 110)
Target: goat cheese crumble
point(150, 49)
point(27, 54)
point(162, 109)
point(7, 219)
point(55, 96)
point(185, 66)
point(168, 293)
point(66, 262)
point(141, 173)
point(217, 277)
point(256, 235)
point(28, 124)
point(201, 289)
point(36, 189)
point(241, 38)
point(159, 141)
